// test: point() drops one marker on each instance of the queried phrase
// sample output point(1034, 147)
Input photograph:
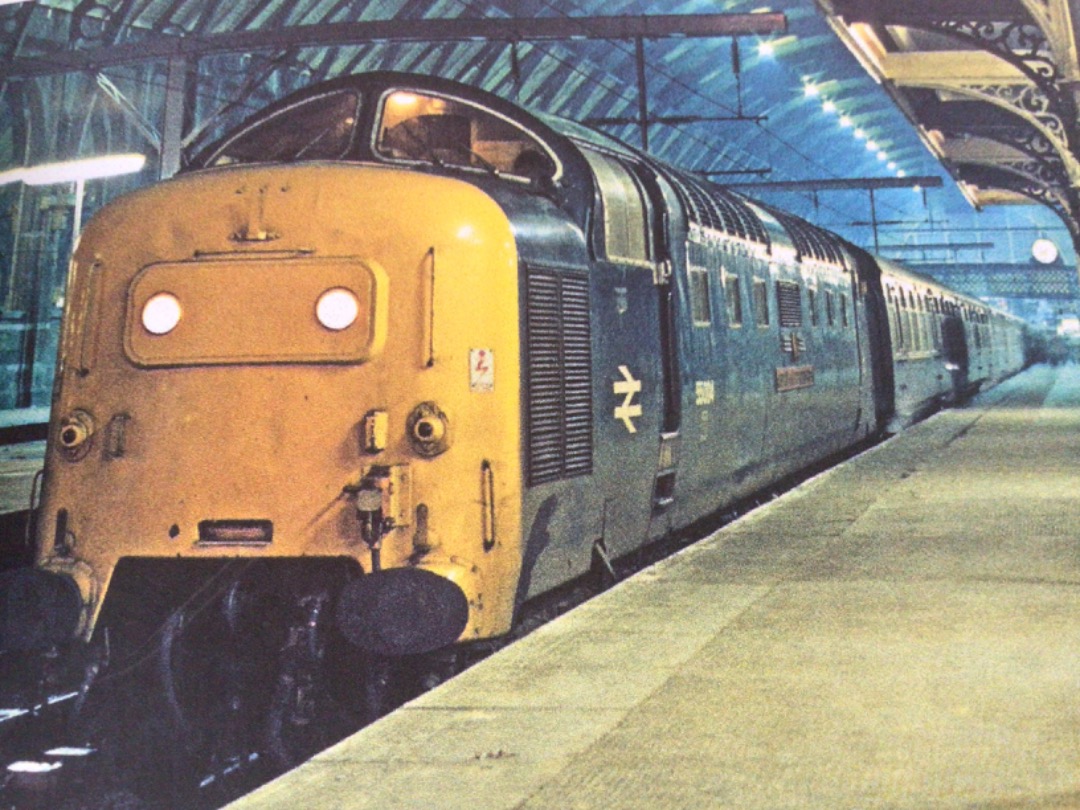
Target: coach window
point(912, 316)
point(920, 324)
point(898, 322)
point(761, 302)
point(830, 309)
point(927, 319)
point(698, 271)
point(843, 310)
point(625, 211)
point(811, 302)
point(911, 339)
point(733, 299)
point(448, 132)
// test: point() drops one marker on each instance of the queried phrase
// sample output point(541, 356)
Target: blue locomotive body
point(731, 345)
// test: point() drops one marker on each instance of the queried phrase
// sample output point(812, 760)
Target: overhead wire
point(615, 87)
point(712, 102)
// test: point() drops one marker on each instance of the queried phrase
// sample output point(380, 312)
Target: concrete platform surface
point(900, 632)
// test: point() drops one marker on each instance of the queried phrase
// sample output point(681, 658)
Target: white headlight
point(337, 309)
point(161, 313)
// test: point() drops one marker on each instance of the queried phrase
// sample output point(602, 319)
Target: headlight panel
point(255, 310)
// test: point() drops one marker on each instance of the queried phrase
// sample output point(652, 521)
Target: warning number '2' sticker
point(481, 370)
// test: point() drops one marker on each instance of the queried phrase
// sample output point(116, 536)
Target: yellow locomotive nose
point(245, 393)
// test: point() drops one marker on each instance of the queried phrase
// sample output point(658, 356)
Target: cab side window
point(624, 210)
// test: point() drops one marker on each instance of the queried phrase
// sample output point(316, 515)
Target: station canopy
point(796, 102)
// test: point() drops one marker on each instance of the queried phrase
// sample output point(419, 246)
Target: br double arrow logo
point(627, 388)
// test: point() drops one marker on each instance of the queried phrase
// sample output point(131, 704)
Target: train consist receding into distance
point(395, 356)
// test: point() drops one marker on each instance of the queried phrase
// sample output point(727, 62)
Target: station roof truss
point(185, 46)
point(991, 86)
point(688, 82)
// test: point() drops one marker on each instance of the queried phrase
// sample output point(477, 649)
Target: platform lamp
point(1044, 250)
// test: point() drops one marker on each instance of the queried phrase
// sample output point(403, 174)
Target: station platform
point(901, 631)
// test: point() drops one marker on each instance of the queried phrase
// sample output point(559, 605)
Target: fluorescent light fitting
point(882, 156)
point(871, 146)
point(70, 171)
point(859, 134)
point(765, 49)
point(811, 91)
point(829, 107)
point(845, 121)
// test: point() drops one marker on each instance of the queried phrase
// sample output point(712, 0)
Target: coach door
point(667, 458)
point(635, 350)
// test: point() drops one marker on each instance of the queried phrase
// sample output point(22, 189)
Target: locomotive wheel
point(216, 670)
point(304, 715)
point(303, 719)
point(201, 689)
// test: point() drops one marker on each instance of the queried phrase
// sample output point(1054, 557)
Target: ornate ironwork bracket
point(1032, 143)
point(1065, 206)
point(1024, 46)
point(1033, 172)
point(1031, 104)
point(1037, 147)
point(1064, 203)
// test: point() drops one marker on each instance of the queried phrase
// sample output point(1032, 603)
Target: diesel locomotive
point(400, 355)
